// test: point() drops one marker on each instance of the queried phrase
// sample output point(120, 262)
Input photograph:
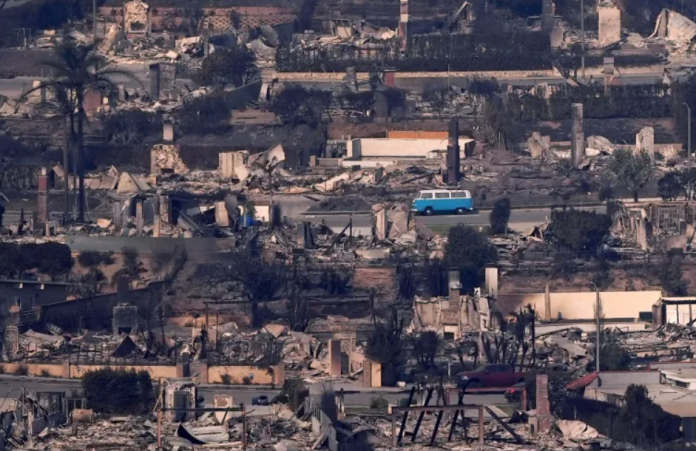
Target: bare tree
point(88, 286)
point(259, 280)
point(437, 99)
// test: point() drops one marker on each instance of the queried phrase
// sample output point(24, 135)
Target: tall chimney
point(453, 153)
point(154, 82)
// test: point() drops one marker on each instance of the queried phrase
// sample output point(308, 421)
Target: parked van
point(433, 201)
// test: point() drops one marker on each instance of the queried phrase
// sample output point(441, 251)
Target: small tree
point(436, 276)
point(295, 392)
point(669, 187)
point(671, 275)
point(385, 344)
point(297, 301)
point(632, 171)
point(425, 347)
point(119, 391)
point(687, 180)
point(437, 99)
point(55, 259)
point(93, 259)
point(500, 215)
point(132, 266)
point(407, 286)
point(204, 115)
point(298, 105)
point(470, 251)
point(258, 280)
point(10, 260)
point(227, 66)
point(579, 230)
point(612, 356)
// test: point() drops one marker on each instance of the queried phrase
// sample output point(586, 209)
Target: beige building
point(616, 305)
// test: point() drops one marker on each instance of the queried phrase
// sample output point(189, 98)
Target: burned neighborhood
point(337, 224)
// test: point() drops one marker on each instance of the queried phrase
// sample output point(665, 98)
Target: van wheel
point(459, 211)
point(428, 211)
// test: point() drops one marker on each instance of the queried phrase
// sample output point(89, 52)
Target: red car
point(493, 375)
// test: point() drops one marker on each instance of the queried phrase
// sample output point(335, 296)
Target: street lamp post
point(688, 155)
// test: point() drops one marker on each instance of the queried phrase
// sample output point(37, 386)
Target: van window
point(426, 195)
point(442, 195)
point(459, 194)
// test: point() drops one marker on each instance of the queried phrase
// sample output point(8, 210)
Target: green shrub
point(22, 370)
point(246, 380)
point(90, 259)
point(579, 230)
point(45, 373)
point(226, 379)
point(118, 391)
point(379, 403)
point(295, 392)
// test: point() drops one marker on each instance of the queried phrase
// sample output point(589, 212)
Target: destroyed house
point(22, 296)
point(665, 388)
point(674, 310)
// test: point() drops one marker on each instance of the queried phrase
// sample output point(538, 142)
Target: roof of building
point(680, 373)
point(615, 379)
point(582, 382)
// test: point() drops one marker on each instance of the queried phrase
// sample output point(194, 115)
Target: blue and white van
point(433, 201)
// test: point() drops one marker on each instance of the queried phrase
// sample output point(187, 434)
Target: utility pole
point(94, 19)
point(598, 315)
point(688, 155)
point(582, 31)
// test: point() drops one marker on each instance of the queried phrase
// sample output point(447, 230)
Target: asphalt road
point(520, 220)
point(11, 388)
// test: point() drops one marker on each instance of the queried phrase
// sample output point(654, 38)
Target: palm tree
point(77, 69)
point(63, 104)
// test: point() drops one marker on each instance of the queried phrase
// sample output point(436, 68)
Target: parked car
point(259, 400)
point(494, 375)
